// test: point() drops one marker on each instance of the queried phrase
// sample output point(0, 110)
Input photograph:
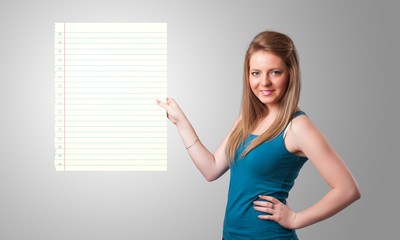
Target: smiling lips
point(266, 92)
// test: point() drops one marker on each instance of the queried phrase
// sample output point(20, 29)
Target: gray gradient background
point(349, 60)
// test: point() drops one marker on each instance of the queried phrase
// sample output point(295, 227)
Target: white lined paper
point(107, 78)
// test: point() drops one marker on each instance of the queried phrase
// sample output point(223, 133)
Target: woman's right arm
point(212, 166)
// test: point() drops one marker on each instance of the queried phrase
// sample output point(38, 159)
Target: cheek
point(283, 83)
point(253, 84)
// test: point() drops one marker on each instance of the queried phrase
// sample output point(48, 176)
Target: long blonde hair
point(252, 109)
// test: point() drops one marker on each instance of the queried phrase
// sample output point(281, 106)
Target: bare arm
point(344, 188)
point(305, 139)
point(212, 166)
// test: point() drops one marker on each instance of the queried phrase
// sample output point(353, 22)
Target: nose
point(266, 80)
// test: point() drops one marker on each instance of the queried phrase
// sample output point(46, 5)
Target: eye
point(276, 73)
point(255, 73)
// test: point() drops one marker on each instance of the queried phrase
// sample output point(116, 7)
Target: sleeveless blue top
point(269, 169)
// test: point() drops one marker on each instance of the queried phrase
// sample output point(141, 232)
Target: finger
point(260, 203)
point(266, 217)
point(162, 104)
point(263, 204)
point(270, 199)
point(169, 100)
point(159, 102)
point(261, 209)
point(264, 209)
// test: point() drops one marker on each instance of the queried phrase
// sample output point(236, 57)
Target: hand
point(280, 212)
point(174, 112)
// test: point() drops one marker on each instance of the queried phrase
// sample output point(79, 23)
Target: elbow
point(211, 175)
point(210, 178)
point(349, 194)
point(354, 194)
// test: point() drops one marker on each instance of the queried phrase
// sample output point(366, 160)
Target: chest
point(270, 159)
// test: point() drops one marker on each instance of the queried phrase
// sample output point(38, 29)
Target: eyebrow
point(275, 68)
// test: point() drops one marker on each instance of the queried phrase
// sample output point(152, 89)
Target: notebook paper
point(107, 79)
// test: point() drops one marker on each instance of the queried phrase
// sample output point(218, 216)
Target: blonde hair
point(252, 109)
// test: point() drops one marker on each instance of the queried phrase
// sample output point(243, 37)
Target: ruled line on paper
point(107, 78)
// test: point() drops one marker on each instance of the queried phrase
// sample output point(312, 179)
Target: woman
point(268, 144)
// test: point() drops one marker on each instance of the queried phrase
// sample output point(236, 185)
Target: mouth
point(266, 92)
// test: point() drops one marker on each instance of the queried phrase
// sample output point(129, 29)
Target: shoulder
point(302, 127)
point(304, 136)
point(301, 134)
point(301, 123)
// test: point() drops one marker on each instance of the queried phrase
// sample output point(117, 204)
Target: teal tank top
point(269, 169)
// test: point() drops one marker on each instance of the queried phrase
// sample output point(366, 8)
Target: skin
point(268, 78)
point(268, 72)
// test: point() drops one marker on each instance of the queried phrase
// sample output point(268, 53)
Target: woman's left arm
point(307, 139)
point(310, 141)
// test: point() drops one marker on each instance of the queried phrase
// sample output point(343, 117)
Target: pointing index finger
point(161, 104)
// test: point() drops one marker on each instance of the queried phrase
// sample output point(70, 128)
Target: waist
point(261, 229)
point(242, 222)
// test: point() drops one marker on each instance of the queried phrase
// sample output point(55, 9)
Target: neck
point(264, 123)
point(272, 110)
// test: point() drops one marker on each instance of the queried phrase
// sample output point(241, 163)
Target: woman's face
point(268, 77)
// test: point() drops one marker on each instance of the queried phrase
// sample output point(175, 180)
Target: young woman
point(268, 144)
